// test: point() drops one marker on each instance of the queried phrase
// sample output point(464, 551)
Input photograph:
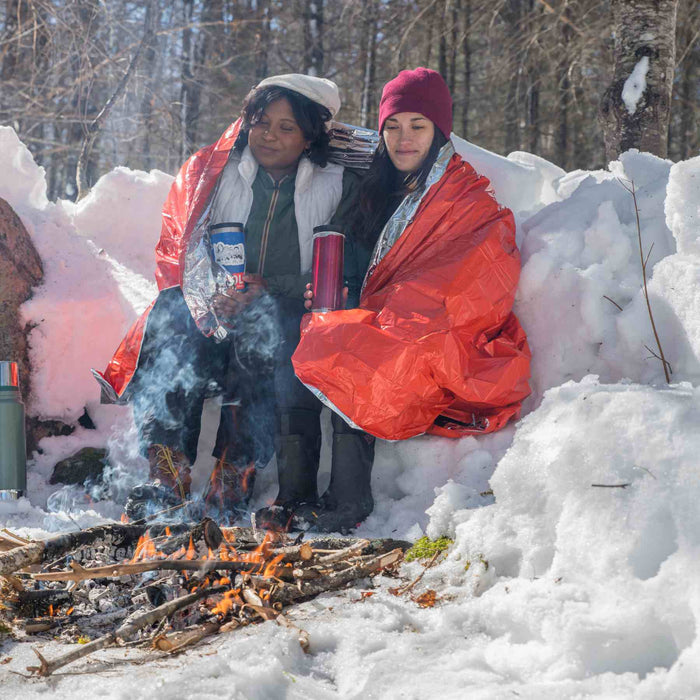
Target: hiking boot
point(229, 490)
point(348, 500)
point(297, 468)
point(168, 487)
point(296, 472)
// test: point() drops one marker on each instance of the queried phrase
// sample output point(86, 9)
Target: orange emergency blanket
point(434, 346)
point(187, 199)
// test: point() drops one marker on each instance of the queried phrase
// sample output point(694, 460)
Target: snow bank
point(523, 182)
point(592, 545)
point(93, 286)
point(23, 181)
point(574, 571)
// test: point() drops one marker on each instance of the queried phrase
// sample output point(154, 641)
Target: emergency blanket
point(434, 346)
point(183, 209)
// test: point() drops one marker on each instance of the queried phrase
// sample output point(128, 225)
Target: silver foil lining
point(407, 210)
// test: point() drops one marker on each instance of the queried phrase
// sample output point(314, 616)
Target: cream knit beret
point(319, 90)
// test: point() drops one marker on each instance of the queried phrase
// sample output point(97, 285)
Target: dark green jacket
point(272, 236)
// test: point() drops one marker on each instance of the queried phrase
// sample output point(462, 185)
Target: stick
point(207, 531)
point(294, 553)
point(611, 486)
point(667, 367)
point(30, 603)
point(8, 540)
point(347, 553)
point(303, 634)
point(123, 633)
point(605, 296)
point(46, 668)
point(410, 586)
point(203, 566)
point(177, 641)
point(287, 593)
point(242, 537)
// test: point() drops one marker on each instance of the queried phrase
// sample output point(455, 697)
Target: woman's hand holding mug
point(309, 297)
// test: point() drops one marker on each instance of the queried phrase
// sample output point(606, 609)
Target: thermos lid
point(227, 224)
point(328, 228)
point(9, 374)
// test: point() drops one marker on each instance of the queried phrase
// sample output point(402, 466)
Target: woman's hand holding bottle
point(309, 297)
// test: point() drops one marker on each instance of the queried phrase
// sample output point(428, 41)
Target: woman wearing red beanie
point(433, 346)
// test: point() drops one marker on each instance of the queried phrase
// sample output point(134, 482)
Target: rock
point(86, 465)
point(20, 270)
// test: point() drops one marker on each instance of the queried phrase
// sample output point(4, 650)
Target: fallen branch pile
point(177, 586)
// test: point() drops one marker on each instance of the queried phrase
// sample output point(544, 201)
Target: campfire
point(167, 587)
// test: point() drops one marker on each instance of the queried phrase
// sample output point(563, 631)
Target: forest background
point(145, 84)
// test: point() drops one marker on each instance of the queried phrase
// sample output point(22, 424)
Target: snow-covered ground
point(560, 583)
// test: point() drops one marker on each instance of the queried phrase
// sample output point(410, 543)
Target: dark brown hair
point(309, 115)
point(385, 183)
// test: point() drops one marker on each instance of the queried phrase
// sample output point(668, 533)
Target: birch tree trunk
point(635, 109)
point(512, 15)
point(313, 37)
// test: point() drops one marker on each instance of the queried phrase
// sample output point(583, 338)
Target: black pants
point(178, 368)
point(261, 396)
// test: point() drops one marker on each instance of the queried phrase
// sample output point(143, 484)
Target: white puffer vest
point(317, 193)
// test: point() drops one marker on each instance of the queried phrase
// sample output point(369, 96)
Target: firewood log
point(113, 534)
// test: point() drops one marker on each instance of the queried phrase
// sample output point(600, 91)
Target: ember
point(180, 584)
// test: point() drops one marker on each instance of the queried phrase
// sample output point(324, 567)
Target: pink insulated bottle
point(327, 268)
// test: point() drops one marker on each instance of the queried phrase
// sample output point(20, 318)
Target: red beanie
point(421, 90)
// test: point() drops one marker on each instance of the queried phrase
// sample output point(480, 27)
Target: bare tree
point(684, 132)
point(92, 129)
point(524, 74)
point(313, 37)
point(369, 62)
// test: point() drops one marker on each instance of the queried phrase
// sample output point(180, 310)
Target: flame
point(260, 553)
point(70, 611)
point(247, 474)
point(227, 551)
point(124, 518)
point(225, 605)
point(167, 530)
point(51, 613)
point(270, 568)
point(191, 551)
point(146, 549)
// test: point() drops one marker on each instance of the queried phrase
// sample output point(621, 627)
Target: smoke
point(257, 335)
point(178, 369)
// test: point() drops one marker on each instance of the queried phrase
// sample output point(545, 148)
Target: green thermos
point(13, 447)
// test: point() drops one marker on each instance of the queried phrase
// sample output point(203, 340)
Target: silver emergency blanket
point(352, 146)
point(407, 210)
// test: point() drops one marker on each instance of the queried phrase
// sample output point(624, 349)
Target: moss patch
point(425, 548)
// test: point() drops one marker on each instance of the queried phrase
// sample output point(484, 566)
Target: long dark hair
point(383, 188)
point(309, 115)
